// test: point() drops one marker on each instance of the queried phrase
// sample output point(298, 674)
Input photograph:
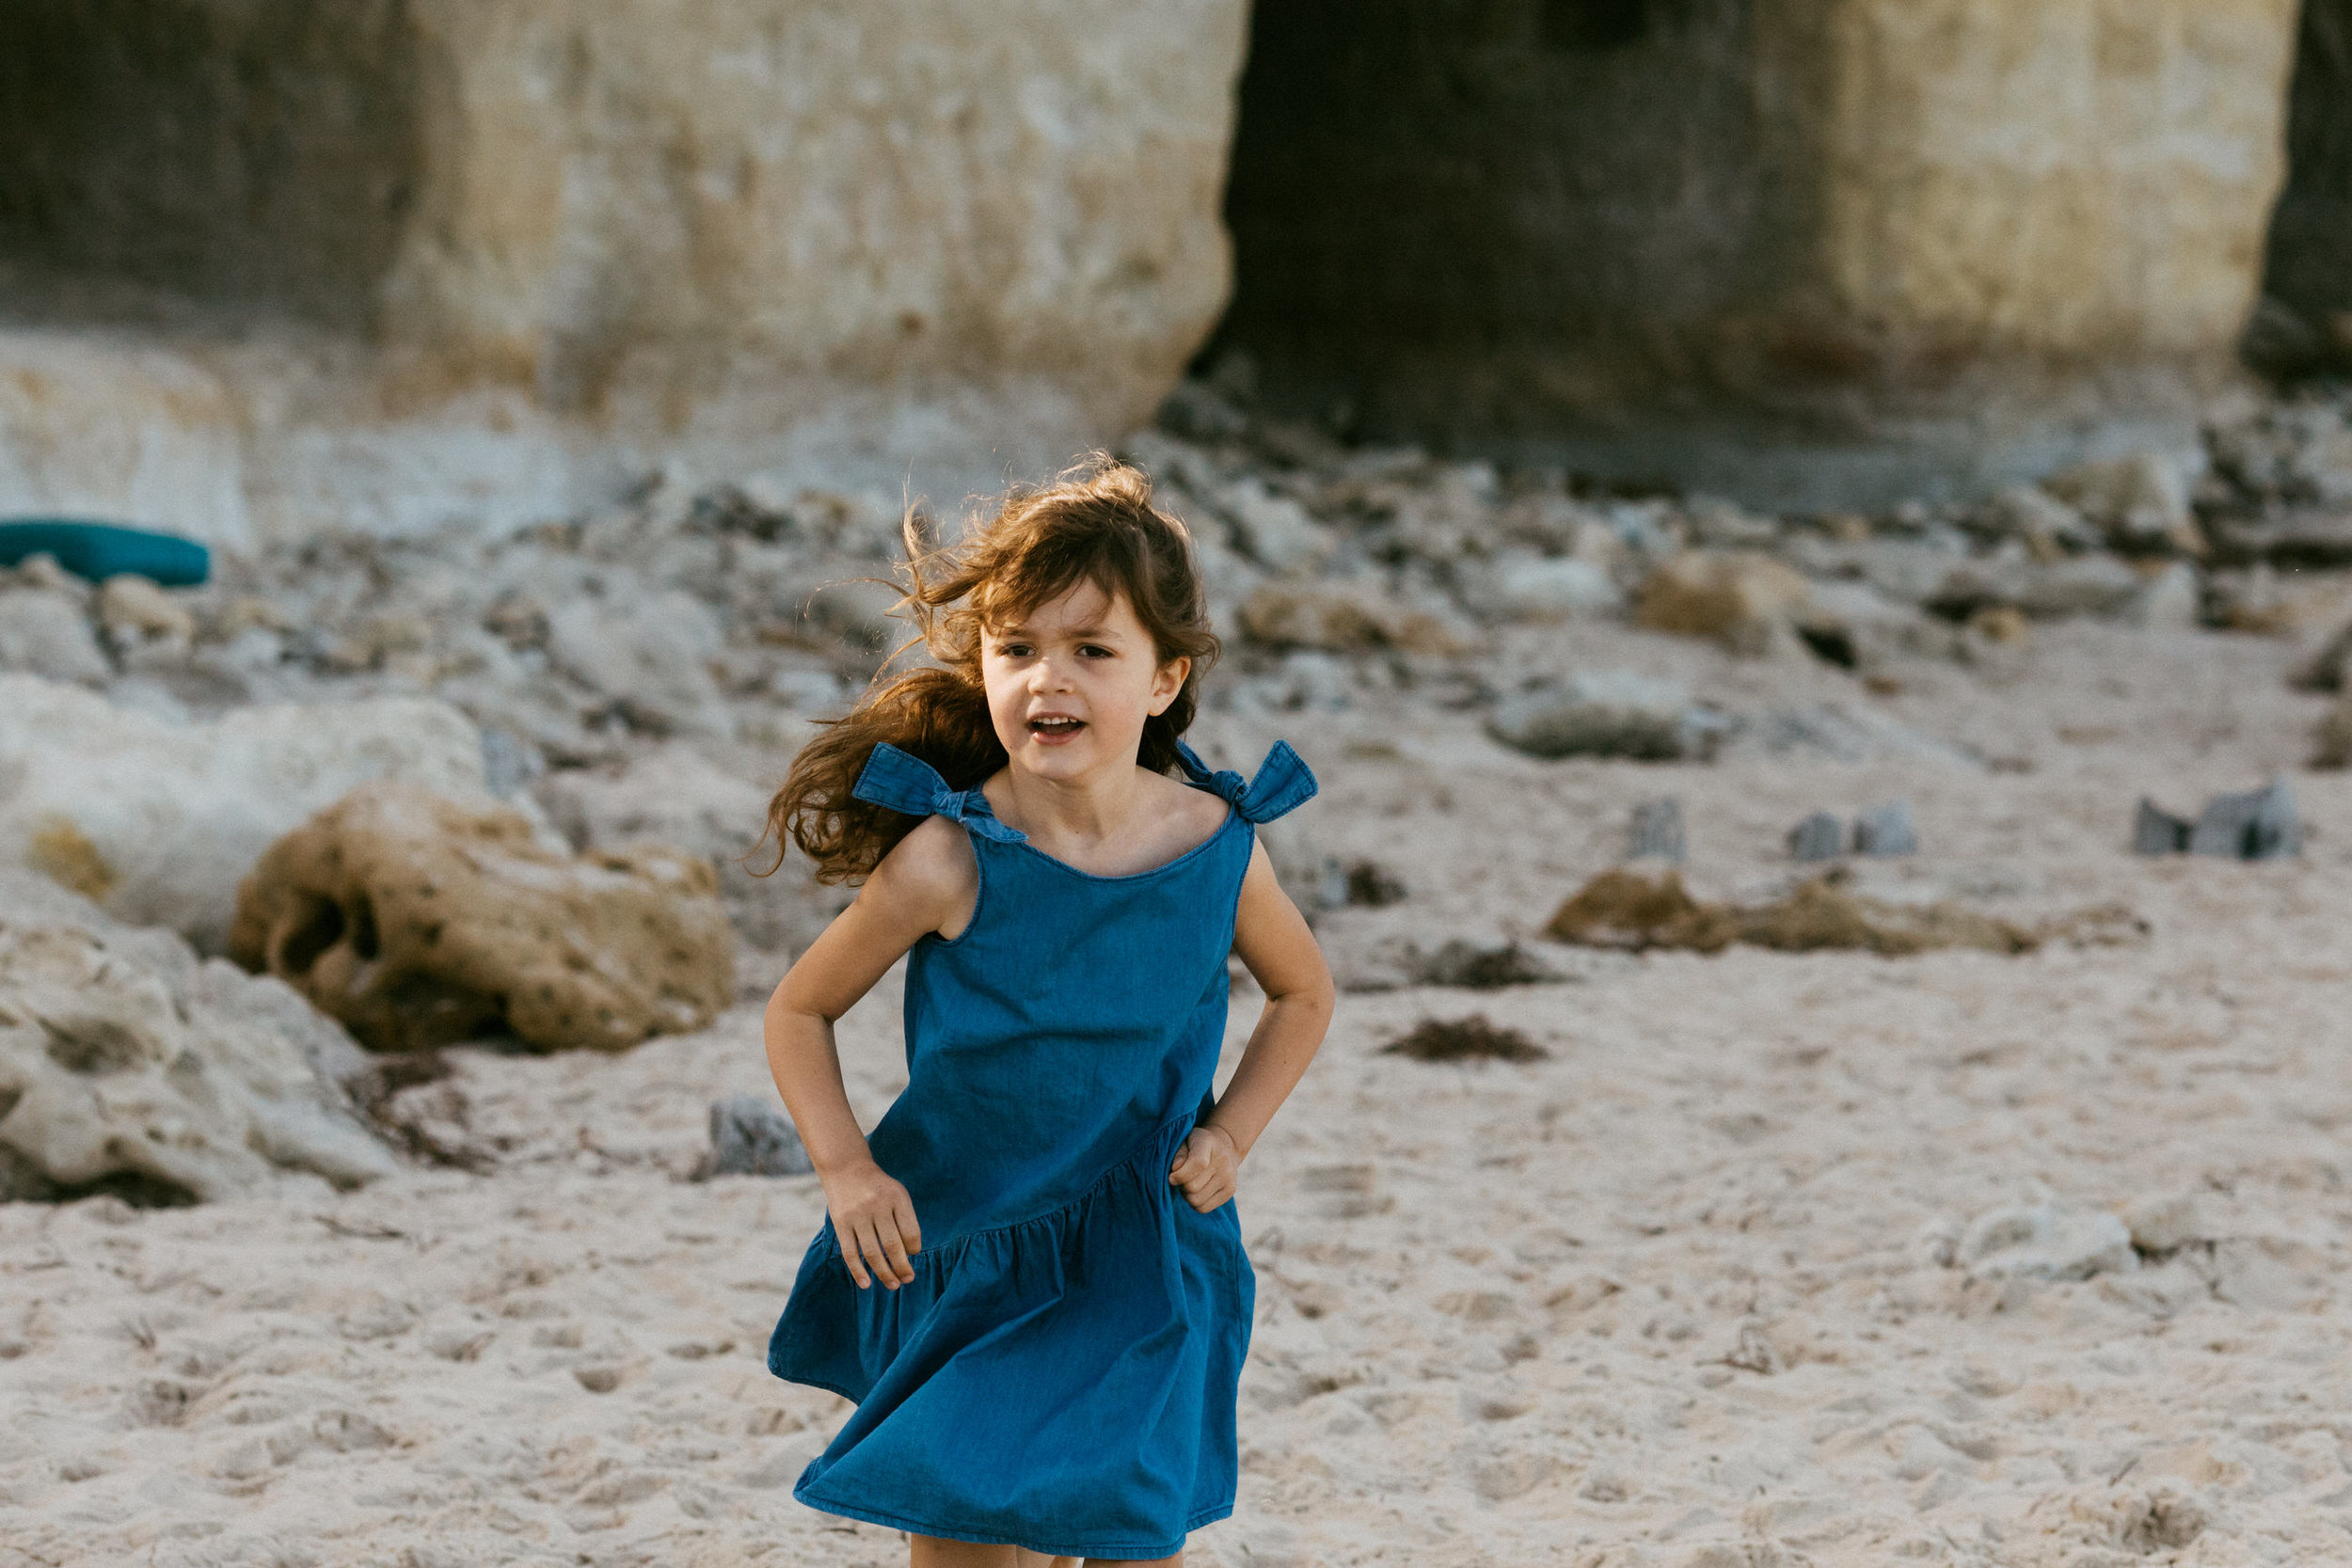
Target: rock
point(1737, 598)
point(1819, 837)
point(1274, 529)
point(1624, 908)
point(2325, 667)
point(2048, 525)
point(2162, 1225)
point(751, 1138)
point(650, 653)
point(677, 796)
point(2261, 825)
point(2003, 626)
point(2333, 738)
point(127, 1061)
point(419, 921)
point(1887, 831)
point(172, 814)
point(1853, 625)
point(1842, 732)
point(1657, 833)
point(2047, 1242)
point(1341, 615)
point(2140, 502)
point(1527, 587)
point(1469, 965)
point(45, 633)
point(1606, 713)
point(2158, 832)
point(134, 610)
point(2084, 585)
point(2172, 600)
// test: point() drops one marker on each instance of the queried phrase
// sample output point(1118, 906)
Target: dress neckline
point(976, 804)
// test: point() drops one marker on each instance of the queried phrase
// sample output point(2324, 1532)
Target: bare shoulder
point(930, 874)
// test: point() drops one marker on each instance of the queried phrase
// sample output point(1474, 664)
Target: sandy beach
point(1671, 1295)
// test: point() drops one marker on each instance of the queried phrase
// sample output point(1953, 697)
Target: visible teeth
point(1053, 723)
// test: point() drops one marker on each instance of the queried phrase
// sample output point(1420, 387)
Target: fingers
point(894, 1252)
point(869, 1244)
point(850, 1259)
point(908, 1229)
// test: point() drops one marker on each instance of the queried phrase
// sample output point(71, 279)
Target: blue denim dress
point(1060, 1374)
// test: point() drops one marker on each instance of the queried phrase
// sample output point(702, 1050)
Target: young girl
point(1048, 1367)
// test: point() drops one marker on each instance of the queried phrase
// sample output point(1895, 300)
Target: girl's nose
point(1050, 673)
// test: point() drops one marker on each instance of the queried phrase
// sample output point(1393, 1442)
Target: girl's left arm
point(1274, 944)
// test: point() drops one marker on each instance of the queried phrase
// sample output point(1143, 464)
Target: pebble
point(751, 1138)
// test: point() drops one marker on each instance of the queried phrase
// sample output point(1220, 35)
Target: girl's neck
point(1094, 806)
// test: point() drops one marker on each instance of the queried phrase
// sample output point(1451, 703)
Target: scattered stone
point(2158, 832)
point(1476, 1037)
point(1607, 713)
point(2140, 502)
point(1737, 598)
point(129, 1065)
point(1370, 886)
point(420, 921)
point(2260, 825)
point(1467, 965)
point(1341, 616)
point(1657, 833)
point(2048, 525)
point(2002, 624)
point(1819, 837)
point(1886, 832)
point(1624, 908)
point(2047, 1242)
point(2161, 1225)
point(134, 610)
point(1276, 530)
point(2172, 600)
point(1528, 587)
point(1841, 732)
point(44, 632)
point(2333, 739)
point(2324, 668)
point(650, 653)
point(751, 1138)
point(1853, 625)
point(167, 816)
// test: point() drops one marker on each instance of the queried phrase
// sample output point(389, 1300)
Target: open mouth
point(1056, 727)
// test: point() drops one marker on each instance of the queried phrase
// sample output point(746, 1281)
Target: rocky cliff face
point(531, 237)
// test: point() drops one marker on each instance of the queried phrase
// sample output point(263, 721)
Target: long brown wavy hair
point(1094, 524)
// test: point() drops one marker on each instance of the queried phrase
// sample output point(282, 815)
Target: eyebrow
point(1095, 633)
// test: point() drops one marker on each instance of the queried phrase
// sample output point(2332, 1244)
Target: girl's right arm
point(928, 882)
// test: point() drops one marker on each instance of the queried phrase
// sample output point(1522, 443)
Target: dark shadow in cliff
point(238, 157)
point(2304, 326)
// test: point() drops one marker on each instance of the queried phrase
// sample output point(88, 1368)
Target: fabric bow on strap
point(1283, 783)
point(906, 783)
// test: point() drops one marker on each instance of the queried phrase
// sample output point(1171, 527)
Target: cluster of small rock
point(458, 782)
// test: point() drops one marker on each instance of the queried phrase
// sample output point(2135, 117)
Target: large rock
point(45, 633)
point(677, 795)
point(585, 235)
point(1737, 596)
point(126, 1061)
point(650, 655)
point(162, 818)
point(419, 921)
point(1605, 713)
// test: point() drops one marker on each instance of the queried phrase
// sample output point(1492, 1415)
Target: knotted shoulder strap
point(903, 781)
point(1283, 783)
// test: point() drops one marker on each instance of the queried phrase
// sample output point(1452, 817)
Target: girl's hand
point(873, 1222)
point(1206, 1167)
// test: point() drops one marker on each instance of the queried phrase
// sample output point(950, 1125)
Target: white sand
point(1660, 1298)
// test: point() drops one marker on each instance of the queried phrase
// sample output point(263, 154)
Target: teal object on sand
point(101, 551)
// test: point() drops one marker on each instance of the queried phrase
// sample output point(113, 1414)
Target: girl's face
point(1070, 685)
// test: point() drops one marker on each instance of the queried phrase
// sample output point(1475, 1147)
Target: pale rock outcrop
point(162, 818)
point(125, 1058)
point(419, 920)
point(651, 655)
point(45, 633)
point(678, 797)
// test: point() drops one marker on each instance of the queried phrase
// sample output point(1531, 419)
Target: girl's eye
point(1094, 651)
point(1013, 650)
